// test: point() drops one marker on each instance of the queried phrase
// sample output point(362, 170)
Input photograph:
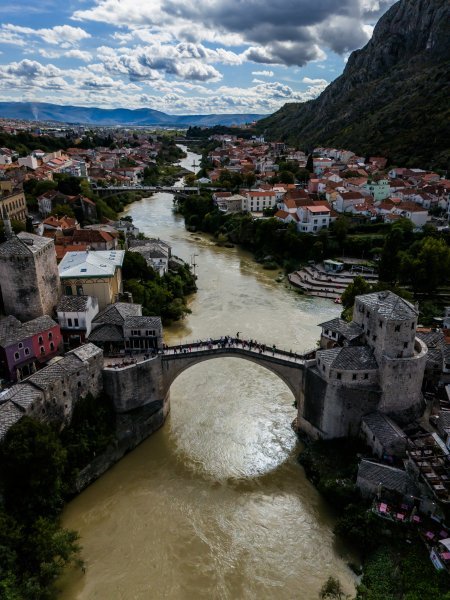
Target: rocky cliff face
point(392, 97)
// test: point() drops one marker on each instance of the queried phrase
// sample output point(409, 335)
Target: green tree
point(396, 240)
point(63, 210)
point(32, 464)
point(332, 590)
point(426, 264)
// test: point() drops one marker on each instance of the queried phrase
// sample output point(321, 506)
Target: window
point(366, 375)
point(20, 345)
point(412, 325)
point(76, 322)
point(68, 290)
point(79, 290)
point(354, 376)
point(397, 328)
point(69, 322)
point(405, 344)
point(52, 346)
point(380, 324)
point(27, 351)
point(16, 355)
point(338, 375)
point(50, 335)
point(42, 350)
point(40, 340)
point(374, 338)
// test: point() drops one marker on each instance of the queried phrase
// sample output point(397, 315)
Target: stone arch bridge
point(135, 383)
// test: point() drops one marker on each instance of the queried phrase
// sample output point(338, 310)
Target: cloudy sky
point(178, 56)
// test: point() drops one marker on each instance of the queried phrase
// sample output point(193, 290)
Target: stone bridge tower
point(29, 276)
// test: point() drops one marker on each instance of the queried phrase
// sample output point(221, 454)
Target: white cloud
point(263, 73)
point(79, 54)
point(65, 35)
point(314, 81)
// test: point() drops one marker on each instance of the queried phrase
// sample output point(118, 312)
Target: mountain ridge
point(391, 99)
point(85, 115)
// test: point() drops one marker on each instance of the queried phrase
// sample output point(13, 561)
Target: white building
point(257, 201)
point(313, 218)
point(75, 316)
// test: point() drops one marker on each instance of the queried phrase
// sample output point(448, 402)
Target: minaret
point(7, 225)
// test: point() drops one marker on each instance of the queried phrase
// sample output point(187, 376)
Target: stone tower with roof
point(375, 363)
point(29, 276)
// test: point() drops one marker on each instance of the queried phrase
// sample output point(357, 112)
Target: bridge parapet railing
point(235, 342)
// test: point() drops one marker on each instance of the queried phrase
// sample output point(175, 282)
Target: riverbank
point(394, 561)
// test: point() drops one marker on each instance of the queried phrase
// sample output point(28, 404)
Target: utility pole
point(193, 263)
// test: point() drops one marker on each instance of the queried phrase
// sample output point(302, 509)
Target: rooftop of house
point(24, 244)
point(117, 313)
point(389, 305)
point(386, 476)
point(349, 358)
point(9, 414)
point(350, 331)
point(142, 322)
point(100, 263)
point(383, 428)
point(12, 333)
point(73, 303)
point(106, 332)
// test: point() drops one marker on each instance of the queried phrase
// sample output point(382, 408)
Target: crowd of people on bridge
point(228, 341)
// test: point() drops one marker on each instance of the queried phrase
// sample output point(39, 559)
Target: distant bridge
point(171, 189)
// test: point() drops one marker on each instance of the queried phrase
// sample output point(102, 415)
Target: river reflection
point(214, 505)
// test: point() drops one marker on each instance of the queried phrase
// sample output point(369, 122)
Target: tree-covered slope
point(393, 96)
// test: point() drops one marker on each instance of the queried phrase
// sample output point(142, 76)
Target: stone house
point(373, 477)
point(24, 347)
point(75, 316)
point(383, 436)
point(121, 328)
point(50, 394)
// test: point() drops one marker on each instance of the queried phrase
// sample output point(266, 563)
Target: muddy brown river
point(214, 505)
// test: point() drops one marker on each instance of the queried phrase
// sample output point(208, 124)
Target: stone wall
point(135, 386)
point(47, 276)
point(401, 383)
point(332, 409)
point(132, 429)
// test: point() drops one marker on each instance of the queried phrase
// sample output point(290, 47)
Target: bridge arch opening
point(232, 418)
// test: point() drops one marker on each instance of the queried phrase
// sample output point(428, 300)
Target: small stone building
point(383, 436)
point(374, 477)
point(50, 394)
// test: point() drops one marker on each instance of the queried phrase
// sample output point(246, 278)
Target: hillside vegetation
point(391, 100)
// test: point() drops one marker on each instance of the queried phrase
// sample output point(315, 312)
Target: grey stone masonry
point(50, 394)
point(29, 276)
point(383, 435)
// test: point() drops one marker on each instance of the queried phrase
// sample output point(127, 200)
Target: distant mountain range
point(84, 115)
point(393, 98)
